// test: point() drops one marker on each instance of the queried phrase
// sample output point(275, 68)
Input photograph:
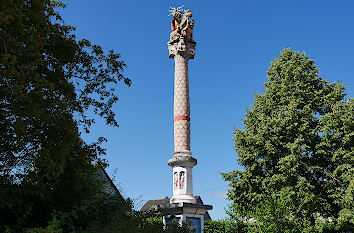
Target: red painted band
point(181, 118)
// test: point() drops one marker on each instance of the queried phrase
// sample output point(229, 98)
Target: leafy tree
point(297, 153)
point(49, 81)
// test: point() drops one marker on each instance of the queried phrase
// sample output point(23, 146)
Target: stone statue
point(181, 37)
point(181, 26)
point(176, 15)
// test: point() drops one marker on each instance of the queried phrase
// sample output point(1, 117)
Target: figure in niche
point(175, 180)
point(181, 180)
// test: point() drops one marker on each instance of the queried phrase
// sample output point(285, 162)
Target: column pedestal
point(182, 164)
point(190, 213)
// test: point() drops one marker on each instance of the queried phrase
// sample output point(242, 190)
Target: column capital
point(182, 46)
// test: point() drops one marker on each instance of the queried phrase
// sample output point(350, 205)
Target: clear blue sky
point(236, 41)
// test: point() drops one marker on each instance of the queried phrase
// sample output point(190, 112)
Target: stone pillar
point(183, 206)
point(182, 49)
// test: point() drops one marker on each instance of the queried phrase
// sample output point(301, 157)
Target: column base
point(183, 198)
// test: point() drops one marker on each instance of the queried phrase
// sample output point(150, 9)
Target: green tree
point(297, 153)
point(49, 83)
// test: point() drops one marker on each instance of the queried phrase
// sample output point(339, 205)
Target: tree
point(49, 82)
point(297, 152)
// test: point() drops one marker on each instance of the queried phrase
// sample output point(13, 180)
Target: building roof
point(152, 203)
point(108, 184)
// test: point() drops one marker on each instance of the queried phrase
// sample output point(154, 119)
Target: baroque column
point(181, 47)
point(183, 206)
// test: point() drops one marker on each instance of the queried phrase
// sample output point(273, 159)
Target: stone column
point(181, 107)
point(182, 49)
point(183, 207)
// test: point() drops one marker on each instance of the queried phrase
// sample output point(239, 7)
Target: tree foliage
point(109, 214)
point(47, 78)
point(297, 152)
point(49, 82)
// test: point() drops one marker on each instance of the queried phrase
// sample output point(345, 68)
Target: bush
point(222, 226)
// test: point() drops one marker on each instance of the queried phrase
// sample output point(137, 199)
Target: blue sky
point(236, 41)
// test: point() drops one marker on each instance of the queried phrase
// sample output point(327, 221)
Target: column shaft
point(181, 110)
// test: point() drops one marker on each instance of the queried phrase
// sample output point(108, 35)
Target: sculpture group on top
point(180, 24)
point(181, 36)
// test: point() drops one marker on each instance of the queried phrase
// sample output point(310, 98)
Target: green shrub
point(222, 226)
